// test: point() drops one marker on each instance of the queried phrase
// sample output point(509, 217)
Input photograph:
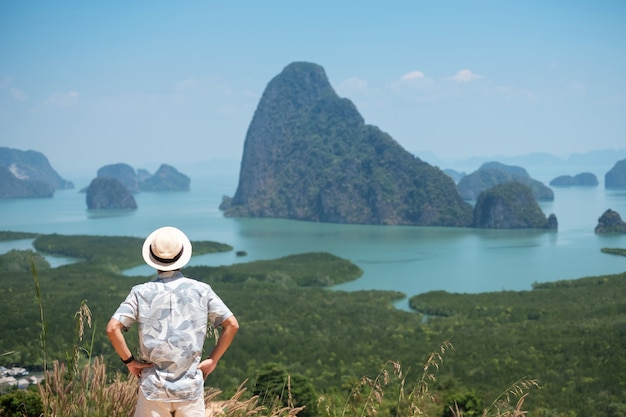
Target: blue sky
point(94, 83)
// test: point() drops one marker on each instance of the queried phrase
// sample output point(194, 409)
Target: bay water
point(408, 259)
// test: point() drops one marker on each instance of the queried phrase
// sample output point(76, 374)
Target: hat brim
point(162, 266)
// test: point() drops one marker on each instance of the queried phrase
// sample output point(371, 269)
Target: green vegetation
point(305, 270)
point(121, 252)
point(347, 347)
point(5, 235)
point(509, 205)
point(19, 261)
point(570, 335)
point(491, 174)
point(614, 251)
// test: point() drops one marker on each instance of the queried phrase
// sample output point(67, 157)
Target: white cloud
point(186, 83)
point(510, 92)
point(6, 83)
point(412, 75)
point(62, 99)
point(18, 94)
point(354, 85)
point(465, 75)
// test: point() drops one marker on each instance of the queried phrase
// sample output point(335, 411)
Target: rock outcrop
point(167, 178)
point(510, 206)
point(109, 193)
point(494, 173)
point(308, 155)
point(28, 174)
point(616, 176)
point(585, 179)
point(13, 187)
point(124, 173)
point(610, 223)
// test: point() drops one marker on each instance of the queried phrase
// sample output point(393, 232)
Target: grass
point(82, 387)
point(90, 393)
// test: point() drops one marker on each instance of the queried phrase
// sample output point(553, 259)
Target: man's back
point(172, 314)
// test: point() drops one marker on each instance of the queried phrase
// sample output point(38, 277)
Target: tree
point(275, 386)
point(467, 402)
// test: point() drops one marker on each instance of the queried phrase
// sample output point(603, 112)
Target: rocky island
point(109, 193)
point(494, 173)
point(609, 223)
point(28, 174)
point(585, 179)
point(167, 178)
point(308, 155)
point(510, 205)
point(115, 184)
point(616, 176)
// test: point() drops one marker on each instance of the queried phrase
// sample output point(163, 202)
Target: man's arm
point(114, 331)
point(230, 326)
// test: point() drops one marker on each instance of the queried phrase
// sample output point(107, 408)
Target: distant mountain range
point(542, 165)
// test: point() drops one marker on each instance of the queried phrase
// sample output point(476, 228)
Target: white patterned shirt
point(172, 314)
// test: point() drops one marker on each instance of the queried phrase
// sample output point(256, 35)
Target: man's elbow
point(113, 327)
point(231, 323)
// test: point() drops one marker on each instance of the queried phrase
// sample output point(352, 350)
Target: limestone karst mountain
point(494, 173)
point(115, 184)
point(308, 155)
point(109, 193)
point(616, 176)
point(511, 205)
point(28, 174)
point(610, 223)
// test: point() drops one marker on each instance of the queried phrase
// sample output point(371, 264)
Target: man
point(172, 313)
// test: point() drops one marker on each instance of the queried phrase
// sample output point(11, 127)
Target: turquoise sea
point(408, 259)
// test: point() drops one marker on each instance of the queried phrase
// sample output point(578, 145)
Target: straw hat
point(167, 249)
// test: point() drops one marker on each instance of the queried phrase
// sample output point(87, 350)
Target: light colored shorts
point(149, 408)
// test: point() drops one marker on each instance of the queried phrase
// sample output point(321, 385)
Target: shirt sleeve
point(127, 312)
point(218, 311)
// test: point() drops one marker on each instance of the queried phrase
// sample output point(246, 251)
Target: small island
point(115, 184)
point(584, 179)
point(610, 223)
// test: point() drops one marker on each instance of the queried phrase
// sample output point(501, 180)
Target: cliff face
point(124, 173)
point(308, 155)
point(616, 176)
point(167, 178)
point(28, 174)
point(510, 206)
point(115, 185)
point(495, 173)
point(13, 187)
point(610, 222)
point(109, 193)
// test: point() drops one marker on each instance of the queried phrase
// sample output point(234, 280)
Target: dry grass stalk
point(236, 407)
point(87, 394)
point(366, 398)
point(502, 403)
